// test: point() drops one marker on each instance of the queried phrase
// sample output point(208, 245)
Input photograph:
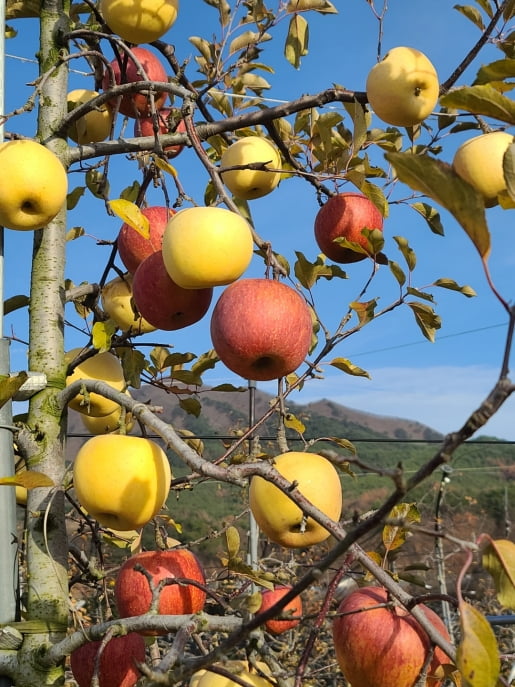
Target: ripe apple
point(206, 246)
point(293, 608)
point(117, 301)
point(279, 516)
point(139, 21)
point(261, 329)
point(345, 216)
point(118, 662)
point(403, 87)
point(136, 104)
point(133, 248)
point(480, 162)
point(384, 647)
point(95, 125)
point(122, 481)
point(145, 127)
point(248, 184)
point(102, 366)
point(161, 302)
point(108, 423)
point(34, 185)
point(132, 590)
point(240, 669)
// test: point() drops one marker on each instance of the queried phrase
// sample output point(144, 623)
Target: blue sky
point(438, 384)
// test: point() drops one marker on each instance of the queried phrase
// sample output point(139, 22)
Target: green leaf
point(407, 252)
point(349, 368)
point(397, 272)
point(495, 71)
point(173, 359)
point(426, 318)
point(130, 193)
point(308, 273)
point(206, 361)
point(96, 183)
point(228, 387)
point(133, 363)
point(477, 656)
point(344, 443)
point(395, 535)
point(247, 39)
point(102, 335)
point(499, 559)
point(437, 180)
point(508, 164)
point(187, 377)
point(444, 283)
point(131, 214)
point(191, 406)
point(297, 40)
point(420, 294)
point(471, 13)
point(365, 311)
point(9, 385)
point(74, 196)
point(360, 123)
point(431, 215)
point(481, 100)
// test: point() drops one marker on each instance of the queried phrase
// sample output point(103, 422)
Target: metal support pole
point(253, 527)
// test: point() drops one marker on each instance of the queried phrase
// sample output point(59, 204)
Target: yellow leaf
point(9, 385)
point(499, 559)
point(292, 422)
point(30, 479)
point(131, 214)
point(232, 537)
point(165, 166)
point(395, 535)
point(477, 657)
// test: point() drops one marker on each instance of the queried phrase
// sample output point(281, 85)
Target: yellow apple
point(139, 21)
point(279, 517)
point(206, 246)
point(479, 161)
point(117, 301)
point(248, 184)
point(122, 481)
point(240, 669)
point(109, 424)
point(102, 366)
point(95, 125)
point(34, 185)
point(21, 495)
point(403, 88)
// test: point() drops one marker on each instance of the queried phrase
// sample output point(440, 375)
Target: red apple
point(293, 607)
point(145, 127)
point(261, 329)
point(132, 590)
point(136, 104)
point(133, 248)
point(384, 647)
point(161, 302)
point(345, 216)
point(118, 663)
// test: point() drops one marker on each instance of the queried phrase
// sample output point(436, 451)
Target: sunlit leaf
point(30, 479)
point(131, 214)
point(495, 71)
point(420, 294)
point(397, 272)
point(308, 273)
point(74, 196)
point(426, 318)
point(322, 6)
point(97, 183)
point(444, 283)
point(131, 192)
point(206, 361)
point(173, 359)
point(365, 310)
point(481, 100)
point(343, 443)
point(431, 216)
point(292, 422)
point(187, 377)
point(130, 539)
point(349, 368)
point(509, 170)
point(471, 13)
point(407, 252)
point(437, 180)
point(102, 334)
point(297, 40)
point(499, 559)
point(165, 166)
point(395, 535)
point(246, 39)
point(477, 655)
point(9, 385)
point(232, 538)
point(191, 440)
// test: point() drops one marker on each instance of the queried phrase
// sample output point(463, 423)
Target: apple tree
point(132, 603)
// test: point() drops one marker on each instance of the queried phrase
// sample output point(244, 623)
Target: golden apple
point(122, 481)
point(34, 185)
point(95, 125)
point(479, 161)
point(118, 303)
point(102, 366)
point(139, 21)
point(109, 424)
point(403, 88)
point(278, 515)
point(248, 184)
point(240, 669)
point(206, 246)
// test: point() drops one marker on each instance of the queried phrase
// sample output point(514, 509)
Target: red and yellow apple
point(161, 302)
point(345, 215)
point(479, 161)
point(104, 367)
point(248, 184)
point(136, 104)
point(34, 185)
point(139, 21)
point(118, 665)
point(145, 127)
point(278, 515)
point(132, 590)
point(133, 247)
point(122, 481)
point(384, 646)
point(117, 301)
point(294, 608)
point(93, 126)
point(206, 246)
point(403, 87)
point(261, 329)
